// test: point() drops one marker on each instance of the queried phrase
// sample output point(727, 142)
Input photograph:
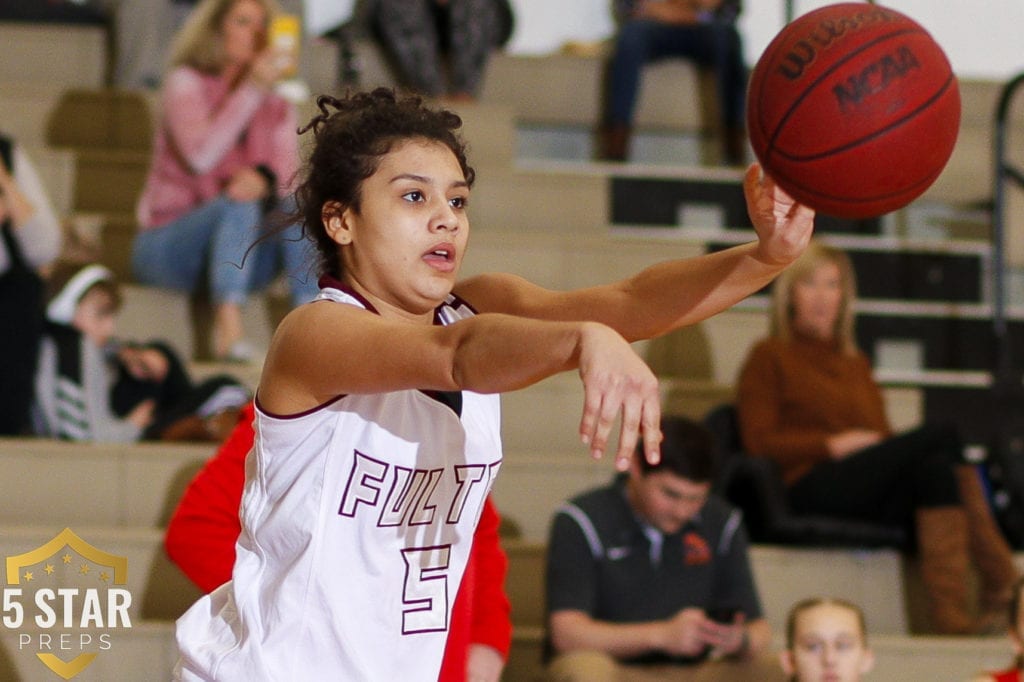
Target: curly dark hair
point(349, 143)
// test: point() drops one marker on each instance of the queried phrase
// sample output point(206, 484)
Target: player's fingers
point(801, 212)
point(651, 426)
point(753, 177)
point(591, 410)
point(611, 406)
point(603, 427)
point(629, 433)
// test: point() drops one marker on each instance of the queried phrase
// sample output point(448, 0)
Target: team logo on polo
point(63, 599)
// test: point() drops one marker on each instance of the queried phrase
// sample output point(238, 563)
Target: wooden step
point(900, 658)
point(159, 590)
point(562, 88)
point(57, 169)
point(155, 313)
point(147, 651)
point(526, 656)
point(55, 483)
point(490, 134)
point(102, 118)
point(109, 180)
point(873, 578)
point(116, 234)
point(59, 55)
point(25, 110)
point(515, 201)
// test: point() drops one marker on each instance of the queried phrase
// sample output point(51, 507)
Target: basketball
point(853, 109)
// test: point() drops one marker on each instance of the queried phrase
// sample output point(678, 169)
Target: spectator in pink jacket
point(224, 156)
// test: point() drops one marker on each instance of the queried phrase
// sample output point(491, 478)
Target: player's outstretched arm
point(674, 293)
point(324, 350)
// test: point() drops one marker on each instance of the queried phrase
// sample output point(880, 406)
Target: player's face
point(817, 299)
point(827, 646)
point(404, 248)
point(95, 316)
point(665, 500)
point(243, 31)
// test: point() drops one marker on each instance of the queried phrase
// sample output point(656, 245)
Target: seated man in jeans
point(648, 578)
point(651, 30)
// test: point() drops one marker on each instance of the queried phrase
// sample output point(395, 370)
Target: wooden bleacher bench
point(59, 55)
point(565, 89)
point(52, 483)
point(139, 479)
point(159, 590)
point(144, 653)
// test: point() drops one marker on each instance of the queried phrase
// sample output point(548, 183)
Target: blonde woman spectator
point(225, 153)
point(808, 401)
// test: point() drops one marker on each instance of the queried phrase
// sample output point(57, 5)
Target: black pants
point(885, 483)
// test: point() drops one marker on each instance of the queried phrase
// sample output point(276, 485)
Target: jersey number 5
point(425, 596)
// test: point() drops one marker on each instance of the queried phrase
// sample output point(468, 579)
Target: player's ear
point(337, 220)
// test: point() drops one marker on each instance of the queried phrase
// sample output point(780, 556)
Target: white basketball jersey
point(357, 521)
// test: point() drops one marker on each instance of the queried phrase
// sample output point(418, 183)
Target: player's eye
point(413, 196)
point(458, 202)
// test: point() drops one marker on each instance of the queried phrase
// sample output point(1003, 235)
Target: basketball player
point(377, 413)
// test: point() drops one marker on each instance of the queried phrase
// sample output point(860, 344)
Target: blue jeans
point(716, 44)
point(219, 240)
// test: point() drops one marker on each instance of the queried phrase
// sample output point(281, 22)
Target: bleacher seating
point(551, 222)
point(57, 55)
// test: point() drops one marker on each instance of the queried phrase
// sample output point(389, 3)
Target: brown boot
point(942, 552)
point(613, 142)
point(989, 550)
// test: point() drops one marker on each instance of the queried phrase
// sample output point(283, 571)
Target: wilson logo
point(805, 51)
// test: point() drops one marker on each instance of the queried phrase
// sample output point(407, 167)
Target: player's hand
point(617, 384)
point(783, 225)
point(484, 664)
point(681, 634)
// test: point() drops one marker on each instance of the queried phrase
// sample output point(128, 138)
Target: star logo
point(73, 597)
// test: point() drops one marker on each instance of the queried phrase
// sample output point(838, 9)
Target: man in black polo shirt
point(649, 578)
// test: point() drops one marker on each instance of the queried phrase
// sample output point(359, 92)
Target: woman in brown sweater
point(807, 400)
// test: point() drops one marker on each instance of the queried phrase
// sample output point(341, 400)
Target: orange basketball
point(853, 109)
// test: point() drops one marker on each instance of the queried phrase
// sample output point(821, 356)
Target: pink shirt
point(207, 132)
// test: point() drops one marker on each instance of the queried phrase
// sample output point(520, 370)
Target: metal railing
point(1005, 173)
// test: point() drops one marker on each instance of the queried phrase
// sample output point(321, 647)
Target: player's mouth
point(441, 257)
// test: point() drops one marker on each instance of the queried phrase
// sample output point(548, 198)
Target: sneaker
point(240, 351)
